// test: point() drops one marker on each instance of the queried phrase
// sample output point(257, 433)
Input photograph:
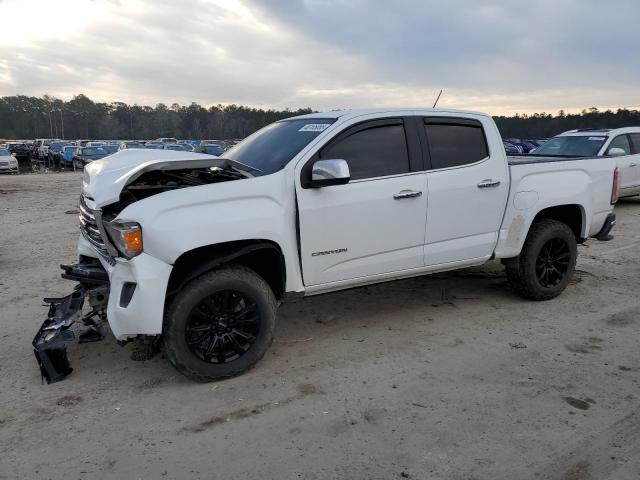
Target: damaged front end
point(54, 336)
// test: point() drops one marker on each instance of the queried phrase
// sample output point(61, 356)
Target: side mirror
point(329, 172)
point(616, 152)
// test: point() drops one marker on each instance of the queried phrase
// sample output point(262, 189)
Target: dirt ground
point(450, 376)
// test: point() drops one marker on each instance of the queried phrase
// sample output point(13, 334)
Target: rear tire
point(546, 263)
point(220, 324)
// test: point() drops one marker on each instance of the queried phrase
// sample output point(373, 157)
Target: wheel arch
point(572, 215)
point(262, 256)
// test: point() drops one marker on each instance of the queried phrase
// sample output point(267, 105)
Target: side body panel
point(261, 208)
point(537, 186)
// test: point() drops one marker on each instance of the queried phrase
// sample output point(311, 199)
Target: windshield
point(4, 153)
point(578, 146)
point(272, 147)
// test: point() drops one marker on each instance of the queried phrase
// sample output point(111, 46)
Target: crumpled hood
point(104, 179)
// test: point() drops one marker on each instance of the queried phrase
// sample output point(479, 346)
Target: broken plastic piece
point(51, 341)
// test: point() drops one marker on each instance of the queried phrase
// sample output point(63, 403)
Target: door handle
point(633, 164)
point(489, 183)
point(406, 194)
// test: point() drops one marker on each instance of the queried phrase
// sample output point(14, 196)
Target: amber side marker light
point(132, 241)
point(126, 237)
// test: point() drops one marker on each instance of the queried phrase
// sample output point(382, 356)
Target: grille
point(90, 230)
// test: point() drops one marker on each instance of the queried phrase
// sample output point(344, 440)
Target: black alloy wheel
point(222, 327)
point(553, 262)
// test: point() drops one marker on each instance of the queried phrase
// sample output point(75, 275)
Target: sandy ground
point(444, 377)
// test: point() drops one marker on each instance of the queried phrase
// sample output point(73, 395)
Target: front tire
point(220, 324)
point(546, 263)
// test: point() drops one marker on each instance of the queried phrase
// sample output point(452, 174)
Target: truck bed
point(527, 158)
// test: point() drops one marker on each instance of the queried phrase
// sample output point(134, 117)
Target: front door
point(634, 164)
point(627, 163)
point(372, 225)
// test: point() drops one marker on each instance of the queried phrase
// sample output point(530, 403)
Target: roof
point(356, 112)
point(583, 132)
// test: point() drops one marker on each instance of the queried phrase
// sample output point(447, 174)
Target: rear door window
point(454, 145)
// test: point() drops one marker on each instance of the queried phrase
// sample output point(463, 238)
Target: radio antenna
point(434, 105)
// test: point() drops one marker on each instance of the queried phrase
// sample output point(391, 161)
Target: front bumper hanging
point(54, 336)
point(51, 341)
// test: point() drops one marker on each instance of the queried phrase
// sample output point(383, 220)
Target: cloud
point(496, 56)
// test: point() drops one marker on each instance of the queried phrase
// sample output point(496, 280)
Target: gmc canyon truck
point(197, 252)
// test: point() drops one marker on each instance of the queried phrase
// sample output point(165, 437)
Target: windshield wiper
point(235, 163)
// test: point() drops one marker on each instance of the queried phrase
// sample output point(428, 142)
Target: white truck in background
point(623, 144)
point(198, 251)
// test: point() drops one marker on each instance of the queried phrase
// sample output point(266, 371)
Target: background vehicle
point(130, 144)
point(210, 149)
point(110, 149)
point(8, 163)
point(314, 204)
point(166, 140)
point(84, 155)
point(67, 155)
point(41, 147)
point(621, 143)
point(178, 147)
point(511, 149)
point(525, 145)
point(22, 153)
point(54, 154)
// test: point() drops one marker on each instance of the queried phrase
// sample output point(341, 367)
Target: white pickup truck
point(198, 251)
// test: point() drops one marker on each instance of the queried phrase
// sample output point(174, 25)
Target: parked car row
point(514, 146)
point(52, 153)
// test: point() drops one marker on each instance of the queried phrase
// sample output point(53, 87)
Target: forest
point(25, 117)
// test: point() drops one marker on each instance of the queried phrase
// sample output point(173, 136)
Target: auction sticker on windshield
point(597, 139)
point(314, 127)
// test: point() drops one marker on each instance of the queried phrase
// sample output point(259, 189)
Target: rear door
point(468, 184)
point(375, 223)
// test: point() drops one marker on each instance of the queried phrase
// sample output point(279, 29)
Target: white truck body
point(197, 251)
point(452, 224)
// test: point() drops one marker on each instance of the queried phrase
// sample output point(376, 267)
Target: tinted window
point(621, 141)
point(635, 142)
point(374, 152)
point(455, 145)
point(272, 147)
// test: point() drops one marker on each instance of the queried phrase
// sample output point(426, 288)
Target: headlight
point(126, 237)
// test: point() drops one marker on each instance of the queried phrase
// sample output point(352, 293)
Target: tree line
point(544, 125)
point(24, 117)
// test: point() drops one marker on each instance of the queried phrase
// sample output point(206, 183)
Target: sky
point(501, 57)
